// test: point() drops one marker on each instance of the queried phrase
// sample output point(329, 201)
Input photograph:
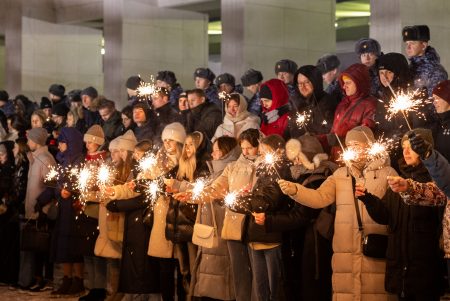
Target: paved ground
point(8, 294)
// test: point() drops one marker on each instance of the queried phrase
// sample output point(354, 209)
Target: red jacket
point(280, 97)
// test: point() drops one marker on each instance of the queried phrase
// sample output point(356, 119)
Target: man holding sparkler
point(424, 60)
point(355, 276)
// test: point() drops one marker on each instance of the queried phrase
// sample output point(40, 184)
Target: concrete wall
point(389, 17)
point(2, 67)
point(65, 54)
point(270, 30)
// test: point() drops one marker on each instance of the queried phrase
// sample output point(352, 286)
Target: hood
point(396, 63)
point(74, 140)
point(359, 74)
point(314, 76)
point(280, 94)
point(242, 110)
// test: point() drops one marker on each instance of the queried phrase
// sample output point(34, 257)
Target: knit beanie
point(60, 109)
point(38, 136)
point(4, 96)
point(426, 134)
point(443, 90)
point(95, 135)
point(127, 141)
point(57, 90)
point(264, 92)
point(114, 144)
point(174, 131)
point(361, 133)
point(90, 91)
point(45, 103)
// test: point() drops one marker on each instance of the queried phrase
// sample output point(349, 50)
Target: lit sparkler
point(224, 96)
point(303, 118)
point(379, 149)
point(83, 178)
point(153, 190)
point(230, 199)
point(270, 160)
point(147, 162)
point(104, 175)
point(198, 188)
point(52, 175)
point(404, 102)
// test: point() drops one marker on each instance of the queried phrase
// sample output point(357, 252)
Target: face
point(36, 122)
point(139, 116)
point(216, 152)
point(440, 104)
point(126, 121)
point(286, 77)
point(170, 146)
point(92, 147)
point(253, 88)
point(87, 101)
point(359, 148)
point(62, 146)
point(123, 154)
point(411, 157)
point(48, 112)
point(33, 146)
point(58, 119)
point(349, 87)
point(248, 149)
point(53, 97)
point(266, 103)
point(3, 158)
point(368, 58)
point(232, 108)
point(329, 77)
point(138, 154)
point(194, 100)
point(131, 92)
point(162, 84)
point(386, 77)
point(115, 156)
point(159, 100)
point(75, 105)
point(202, 83)
point(189, 147)
point(415, 48)
point(70, 120)
point(105, 113)
point(305, 86)
point(227, 88)
point(183, 103)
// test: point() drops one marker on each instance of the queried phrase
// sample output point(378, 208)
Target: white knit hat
point(95, 135)
point(127, 141)
point(114, 144)
point(293, 148)
point(174, 131)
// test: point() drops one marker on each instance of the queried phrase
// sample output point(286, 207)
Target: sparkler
point(83, 178)
point(404, 102)
point(52, 175)
point(303, 119)
point(153, 191)
point(198, 188)
point(379, 149)
point(104, 175)
point(147, 162)
point(270, 160)
point(230, 199)
point(224, 96)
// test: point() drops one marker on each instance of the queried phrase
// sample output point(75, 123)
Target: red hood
point(359, 73)
point(280, 94)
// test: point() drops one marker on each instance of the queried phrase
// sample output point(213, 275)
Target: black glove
point(112, 206)
point(420, 146)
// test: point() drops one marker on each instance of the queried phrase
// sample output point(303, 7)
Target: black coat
point(112, 127)
point(139, 273)
point(442, 135)
point(413, 255)
point(163, 116)
point(204, 118)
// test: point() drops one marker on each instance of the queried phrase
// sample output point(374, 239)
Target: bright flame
point(303, 119)
point(147, 162)
point(230, 199)
point(103, 175)
point(404, 102)
point(199, 186)
point(83, 178)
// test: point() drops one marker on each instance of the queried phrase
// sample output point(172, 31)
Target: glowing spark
point(224, 96)
point(349, 155)
point(147, 162)
point(379, 149)
point(153, 190)
point(270, 160)
point(146, 89)
point(230, 199)
point(83, 178)
point(303, 119)
point(403, 103)
point(52, 174)
point(104, 175)
point(199, 185)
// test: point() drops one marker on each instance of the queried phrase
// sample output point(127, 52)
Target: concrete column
point(257, 33)
point(389, 17)
point(13, 46)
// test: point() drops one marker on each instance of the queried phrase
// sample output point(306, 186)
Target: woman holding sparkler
point(356, 108)
point(312, 101)
point(413, 267)
point(237, 119)
point(355, 276)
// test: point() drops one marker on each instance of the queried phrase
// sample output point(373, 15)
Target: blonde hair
point(187, 166)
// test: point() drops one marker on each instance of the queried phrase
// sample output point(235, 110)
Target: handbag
point(34, 238)
point(373, 245)
point(233, 225)
point(204, 235)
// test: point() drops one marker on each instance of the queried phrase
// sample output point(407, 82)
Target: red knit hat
point(443, 90)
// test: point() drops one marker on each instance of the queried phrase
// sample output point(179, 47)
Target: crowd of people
point(308, 226)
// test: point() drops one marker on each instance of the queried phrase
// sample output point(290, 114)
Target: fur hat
point(95, 135)
point(426, 134)
point(225, 78)
point(57, 90)
point(328, 62)
point(205, 73)
point(167, 76)
point(127, 141)
point(365, 45)
point(251, 77)
point(416, 33)
point(305, 148)
point(174, 131)
point(38, 136)
point(90, 91)
point(361, 134)
point(443, 90)
point(133, 82)
point(286, 66)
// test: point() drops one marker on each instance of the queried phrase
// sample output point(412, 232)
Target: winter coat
point(234, 126)
point(320, 106)
point(212, 96)
point(334, 89)
point(427, 71)
point(355, 276)
point(280, 97)
point(90, 118)
point(442, 135)
point(413, 255)
point(174, 95)
point(145, 131)
point(112, 127)
point(20, 181)
point(106, 246)
point(375, 84)
point(204, 118)
point(139, 273)
point(212, 276)
point(439, 169)
point(39, 168)
point(163, 116)
point(254, 104)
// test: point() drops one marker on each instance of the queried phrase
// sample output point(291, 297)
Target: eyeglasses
point(302, 84)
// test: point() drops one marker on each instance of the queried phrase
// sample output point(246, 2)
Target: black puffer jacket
point(413, 254)
point(204, 118)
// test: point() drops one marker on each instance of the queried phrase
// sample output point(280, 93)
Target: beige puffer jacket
point(355, 276)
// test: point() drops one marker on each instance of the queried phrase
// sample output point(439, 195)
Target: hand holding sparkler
point(288, 188)
point(185, 196)
point(260, 218)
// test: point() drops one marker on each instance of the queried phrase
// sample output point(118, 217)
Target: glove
point(287, 187)
point(420, 146)
point(272, 116)
point(112, 206)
